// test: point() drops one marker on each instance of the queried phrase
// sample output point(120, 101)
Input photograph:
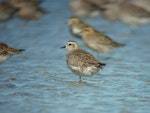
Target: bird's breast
point(76, 30)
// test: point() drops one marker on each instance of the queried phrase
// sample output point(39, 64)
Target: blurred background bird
point(83, 8)
point(20, 3)
point(25, 9)
point(145, 4)
point(76, 26)
point(97, 41)
point(29, 9)
point(30, 12)
point(131, 12)
point(126, 12)
point(6, 11)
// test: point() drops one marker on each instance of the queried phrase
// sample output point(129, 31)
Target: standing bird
point(76, 26)
point(6, 52)
point(81, 62)
point(98, 41)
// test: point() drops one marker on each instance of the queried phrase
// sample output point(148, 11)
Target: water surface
point(38, 81)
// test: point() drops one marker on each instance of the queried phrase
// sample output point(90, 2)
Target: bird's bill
point(63, 47)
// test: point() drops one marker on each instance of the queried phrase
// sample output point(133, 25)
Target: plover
point(31, 12)
point(76, 26)
point(84, 8)
point(81, 62)
point(97, 41)
point(6, 11)
point(134, 15)
point(20, 3)
point(28, 9)
point(6, 52)
point(126, 12)
point(145, 4)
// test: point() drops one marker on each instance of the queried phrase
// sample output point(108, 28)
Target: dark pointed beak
point(63, 47)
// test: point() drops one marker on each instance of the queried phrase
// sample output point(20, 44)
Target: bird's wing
point(102, 39)
point(3, 47)
point(9, 50)
point(4, 53)
point(81, 58)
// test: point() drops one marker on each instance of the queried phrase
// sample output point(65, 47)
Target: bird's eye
point(69, 44)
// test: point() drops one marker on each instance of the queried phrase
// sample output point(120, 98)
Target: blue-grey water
point(38, 81)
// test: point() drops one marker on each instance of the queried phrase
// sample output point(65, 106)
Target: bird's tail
point(102, 64)
point(119, 44)
point(13, 51)
point(21, 50)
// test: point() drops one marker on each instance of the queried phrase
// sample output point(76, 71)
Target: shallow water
point(38, 81)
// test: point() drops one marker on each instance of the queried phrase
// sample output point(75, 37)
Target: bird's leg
point(80, 79)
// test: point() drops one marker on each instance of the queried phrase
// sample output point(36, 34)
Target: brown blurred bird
point(76, 26)
point(31, 12)
point(111, 11)
point(6, 11)
point(29, 9)
point(21, 3)
point(83, 8)
point(127, 13)
point(6, 52)
point(97, 41)
point(134, 15)
point(145, 4)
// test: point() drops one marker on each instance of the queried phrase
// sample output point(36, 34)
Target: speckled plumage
point(6, 52)
point(97, 41)
point(81, 62)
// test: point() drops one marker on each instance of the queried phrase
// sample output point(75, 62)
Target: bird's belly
point(3, 58)
point(88, 71)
